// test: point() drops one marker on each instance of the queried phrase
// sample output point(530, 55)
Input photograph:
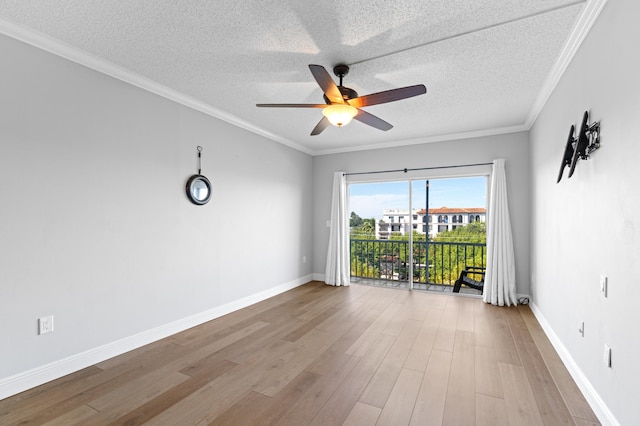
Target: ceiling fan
point(343, 103)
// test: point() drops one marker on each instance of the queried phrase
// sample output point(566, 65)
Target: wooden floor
point(323, 355)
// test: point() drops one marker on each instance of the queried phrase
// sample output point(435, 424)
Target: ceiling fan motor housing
point(347, 93)
point(340, 71)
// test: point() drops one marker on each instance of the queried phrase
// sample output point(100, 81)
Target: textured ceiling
point(484, 62)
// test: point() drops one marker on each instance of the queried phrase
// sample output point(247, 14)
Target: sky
point(370, 199)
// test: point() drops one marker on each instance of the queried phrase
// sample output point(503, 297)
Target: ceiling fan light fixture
point(339, 114)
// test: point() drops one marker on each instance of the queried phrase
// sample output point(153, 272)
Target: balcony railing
point(389, 260)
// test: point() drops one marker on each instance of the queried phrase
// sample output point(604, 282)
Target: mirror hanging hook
point(199, 160)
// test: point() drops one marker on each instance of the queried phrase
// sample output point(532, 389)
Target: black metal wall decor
point(580, 148)
point(198, 186)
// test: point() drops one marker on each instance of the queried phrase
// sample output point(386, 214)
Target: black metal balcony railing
point(389, 260)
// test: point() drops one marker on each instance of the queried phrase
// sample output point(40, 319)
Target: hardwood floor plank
point(518, 396)
point(399, 405)
point(215, 347)
point(256, 408)
point(430, 403)
point(302, 411)
point(344, 398)
point(145, 385)
point(77, 416)
point(585, 422)
point(420, 305)
point(242, 349)
point(121, 401)
point(206, 403)
point(398, 321)
point(311, 324)
point(487, 373)
point(324, 363)
point(460, 403)
point(384, 379)
point(362, 415)
point(549, 400)
point(205, 373)
point(418, 357)
point(247, 411)
point(491, 411)
point(505, 346)
point(446, 334)
point(368, 338)
point(290, 364)
point(483, 319)
point(573, 398)
point(22, 404)
point(466, 314)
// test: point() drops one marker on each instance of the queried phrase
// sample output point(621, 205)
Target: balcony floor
point(404, 285)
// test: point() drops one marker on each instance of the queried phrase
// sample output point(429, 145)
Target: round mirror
point(199, 189)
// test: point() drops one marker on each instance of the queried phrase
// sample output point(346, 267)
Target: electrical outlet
point(604, 283)
point(45, 324)
point(607, 356)
point(304, 259)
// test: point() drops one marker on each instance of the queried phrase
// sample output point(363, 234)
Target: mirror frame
point(191, 192)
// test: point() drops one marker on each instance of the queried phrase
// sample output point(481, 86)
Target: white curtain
point(500, 277)
point(338, 270)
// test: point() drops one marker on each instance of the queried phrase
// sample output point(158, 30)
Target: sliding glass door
point(378, 225)
point(417, 233)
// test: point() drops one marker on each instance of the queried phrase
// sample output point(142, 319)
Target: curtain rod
point(420, 168)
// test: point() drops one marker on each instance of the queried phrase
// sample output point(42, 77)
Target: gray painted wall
point(512, 147)
point(590, 224)
point(96, 228)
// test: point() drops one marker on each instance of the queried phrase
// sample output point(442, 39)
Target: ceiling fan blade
point(322, 124)
point(326, 83)
point(372, 120)
point(388, 96)
point(291, 105)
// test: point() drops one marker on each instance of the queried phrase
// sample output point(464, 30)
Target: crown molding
point(580, 30)
point(428, 139)
point(71, 53)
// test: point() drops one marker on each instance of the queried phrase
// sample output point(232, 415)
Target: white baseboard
point(318, 277)
point(598, 406)
point(15, 384)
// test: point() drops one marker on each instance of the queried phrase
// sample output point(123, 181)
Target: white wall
point(95, 226)
point(512, 147)
point(590, 224)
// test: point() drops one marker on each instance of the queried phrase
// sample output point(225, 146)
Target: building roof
point(455, 210)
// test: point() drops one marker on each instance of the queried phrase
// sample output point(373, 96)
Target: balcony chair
point(467, 281)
